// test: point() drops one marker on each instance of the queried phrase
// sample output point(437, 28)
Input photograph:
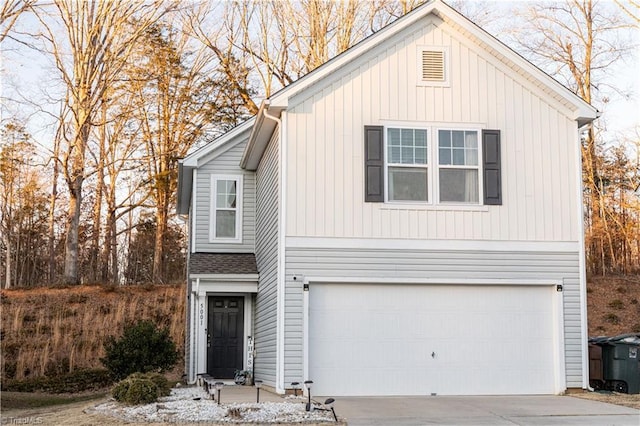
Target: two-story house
point(404, 220)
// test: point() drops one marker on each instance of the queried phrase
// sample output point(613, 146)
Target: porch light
point(295, 386)
point(307, 384)
point(219, 386)
point(258, 384)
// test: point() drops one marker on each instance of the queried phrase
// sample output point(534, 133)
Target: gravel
point(193, 405)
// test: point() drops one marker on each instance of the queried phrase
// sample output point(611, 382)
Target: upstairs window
point(458, 166)
point(432, 165)
point(407, 165)
point(226, 209)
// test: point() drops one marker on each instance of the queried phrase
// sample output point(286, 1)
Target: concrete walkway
point(483, 410)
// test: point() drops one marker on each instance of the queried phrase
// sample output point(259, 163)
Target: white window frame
point(433, 165)
point(429, 83)
point(428, 165)
point(238, 209)
point(477, 167)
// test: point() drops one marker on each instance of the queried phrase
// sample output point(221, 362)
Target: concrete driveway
point(483, 410)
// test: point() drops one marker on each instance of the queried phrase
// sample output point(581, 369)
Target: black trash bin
point(621, 363)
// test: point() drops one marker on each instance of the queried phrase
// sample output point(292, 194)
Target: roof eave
point(261, 134)
point(185, 183)
point(193, 159)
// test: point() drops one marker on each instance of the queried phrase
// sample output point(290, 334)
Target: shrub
point(141, 348)
point(164, 389)
point(141, 391)
point(616, 304)
point(119, 391)
point(141, 388)
point(612, 318)
point(73, 382)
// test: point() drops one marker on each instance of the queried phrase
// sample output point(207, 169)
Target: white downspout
point(280, 388)
point(582, 265)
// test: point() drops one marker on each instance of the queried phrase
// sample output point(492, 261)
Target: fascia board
point(282, 97)
point(582, 110)
point(260, 136)
point(192, 159)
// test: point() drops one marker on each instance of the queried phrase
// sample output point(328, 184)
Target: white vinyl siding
point(448, 265)
point(265, 320)
point(325, 155)
point(226, 163)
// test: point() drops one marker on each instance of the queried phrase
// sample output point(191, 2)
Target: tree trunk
point(161, 227)
point(7, 276)
point(52, 213)
point(71, 255)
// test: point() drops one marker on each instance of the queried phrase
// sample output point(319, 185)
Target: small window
point(226, 213)
point(432, 66)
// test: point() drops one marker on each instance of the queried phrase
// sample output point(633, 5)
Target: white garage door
point(432, 339)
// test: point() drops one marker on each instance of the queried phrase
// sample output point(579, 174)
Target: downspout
point(280, 388)
point(583, 266)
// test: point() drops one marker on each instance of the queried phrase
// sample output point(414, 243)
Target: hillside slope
point(48, 331)
point(613, 305)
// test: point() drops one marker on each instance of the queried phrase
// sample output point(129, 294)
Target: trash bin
point(621, 363)
point(596, 378)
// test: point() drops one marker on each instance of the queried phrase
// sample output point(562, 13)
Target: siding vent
point(433, 65)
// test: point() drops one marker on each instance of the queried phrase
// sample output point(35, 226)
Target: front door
point(225, 330)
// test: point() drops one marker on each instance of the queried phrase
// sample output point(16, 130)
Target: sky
point(31, 80)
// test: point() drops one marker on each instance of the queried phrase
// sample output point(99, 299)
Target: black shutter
point(373, 164)
point(491, 167)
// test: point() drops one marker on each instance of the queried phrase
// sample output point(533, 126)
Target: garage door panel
point(417, 340)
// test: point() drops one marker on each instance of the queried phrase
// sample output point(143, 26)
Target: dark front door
point(225, 330)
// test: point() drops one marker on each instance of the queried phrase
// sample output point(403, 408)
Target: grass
point(25, 401)
point(54, 331)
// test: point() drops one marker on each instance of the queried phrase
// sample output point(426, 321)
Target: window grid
point(459, 153)
point(226, 214)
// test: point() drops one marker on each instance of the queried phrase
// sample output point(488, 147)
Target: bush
point(141, 391)
point(142, 348)
point(141, 388)
point(616, 304)
point(73, 382)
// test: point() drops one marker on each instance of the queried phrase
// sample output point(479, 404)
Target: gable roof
point(202, 155)
point(274, 105)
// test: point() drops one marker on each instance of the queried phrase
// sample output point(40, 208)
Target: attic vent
point(433, 65)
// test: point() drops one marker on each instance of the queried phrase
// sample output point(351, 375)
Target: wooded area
point(133, 86)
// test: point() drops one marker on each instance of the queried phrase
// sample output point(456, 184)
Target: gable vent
point(433, 65)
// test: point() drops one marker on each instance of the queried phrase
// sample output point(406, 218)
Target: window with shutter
point(409, 164)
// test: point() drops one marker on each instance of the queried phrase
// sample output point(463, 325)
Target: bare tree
point(180, 97)
point(577, 41)
point(96, 39)
point(9, 14)
point(631, 8)
point(279, 42)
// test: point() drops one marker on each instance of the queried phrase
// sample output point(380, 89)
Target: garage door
point(432, 339)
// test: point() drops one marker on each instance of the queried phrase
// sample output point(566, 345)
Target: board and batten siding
point(325, 145)
point(227, 163)
point(448, 265)
point(265, 326)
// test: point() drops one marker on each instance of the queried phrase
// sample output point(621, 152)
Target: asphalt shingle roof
point(222, 263)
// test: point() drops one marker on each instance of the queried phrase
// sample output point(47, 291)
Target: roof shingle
point(222, 263)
